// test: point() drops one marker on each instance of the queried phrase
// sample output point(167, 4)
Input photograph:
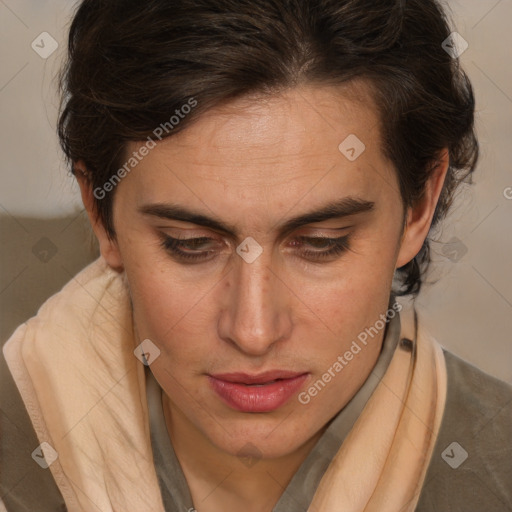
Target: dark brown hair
point(131, 65)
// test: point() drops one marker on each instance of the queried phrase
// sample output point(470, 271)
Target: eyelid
point(319, 232)
point(323, 229)
point(335, 239)
point(338, 246)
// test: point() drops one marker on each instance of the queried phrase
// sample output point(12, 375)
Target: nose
point(256, 312)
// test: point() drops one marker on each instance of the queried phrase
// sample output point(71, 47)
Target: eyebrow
point(333, 210)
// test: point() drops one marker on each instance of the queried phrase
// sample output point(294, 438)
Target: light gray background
point(469, 310)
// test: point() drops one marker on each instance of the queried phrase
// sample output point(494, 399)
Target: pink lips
point(264, 392)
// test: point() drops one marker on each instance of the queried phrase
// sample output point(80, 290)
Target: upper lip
point(260, 378)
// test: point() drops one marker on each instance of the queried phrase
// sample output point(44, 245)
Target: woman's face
point(249, 298)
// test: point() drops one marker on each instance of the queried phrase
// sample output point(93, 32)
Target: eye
point(191, 249)
point(323, 247)
point(200, 249)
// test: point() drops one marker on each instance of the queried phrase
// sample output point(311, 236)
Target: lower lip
point(265, 398)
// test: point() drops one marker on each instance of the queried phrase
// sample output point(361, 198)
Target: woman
point(262, 178)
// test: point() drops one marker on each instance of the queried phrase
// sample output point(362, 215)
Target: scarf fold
point(382, 463)
point(84, 391)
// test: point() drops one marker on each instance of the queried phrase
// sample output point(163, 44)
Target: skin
point(254, 163)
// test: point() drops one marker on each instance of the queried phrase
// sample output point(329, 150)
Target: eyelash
point(174, 245)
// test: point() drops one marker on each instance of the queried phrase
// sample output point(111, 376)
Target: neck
point(220, 481)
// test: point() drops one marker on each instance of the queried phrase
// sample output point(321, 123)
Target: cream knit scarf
point(84, 391)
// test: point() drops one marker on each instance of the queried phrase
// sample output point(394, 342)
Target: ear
point(419, 217)
point(108, 247)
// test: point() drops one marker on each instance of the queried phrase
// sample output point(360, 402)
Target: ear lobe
point(419, 217)
point(108, 248)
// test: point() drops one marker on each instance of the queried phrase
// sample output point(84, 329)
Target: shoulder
point(471, 467)
point(24, 485)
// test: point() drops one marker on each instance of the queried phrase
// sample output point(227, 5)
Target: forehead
point(294, 116)
point(271, 146)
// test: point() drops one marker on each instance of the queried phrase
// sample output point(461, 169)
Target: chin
point(257, 439)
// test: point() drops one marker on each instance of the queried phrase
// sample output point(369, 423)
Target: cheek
point(358, 290)
point(163, 306)
point(347, 311)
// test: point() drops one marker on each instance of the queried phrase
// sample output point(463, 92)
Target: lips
point(264, 392)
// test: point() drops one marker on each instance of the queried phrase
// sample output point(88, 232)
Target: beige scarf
point(84, 391)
